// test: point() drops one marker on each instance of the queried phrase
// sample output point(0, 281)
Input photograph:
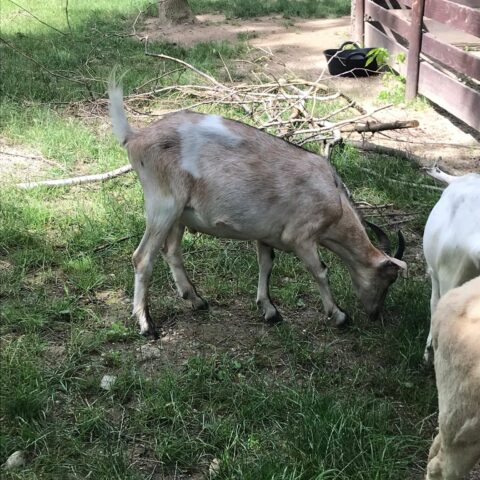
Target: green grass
point(229, 406)
point(299, 401)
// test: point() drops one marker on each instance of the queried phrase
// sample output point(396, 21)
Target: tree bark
point(175, 11)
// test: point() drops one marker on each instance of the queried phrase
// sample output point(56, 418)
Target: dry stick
point(378, 126)
point(332, 126)
point(314, 119)
point(36, 18)
point(393, 214)
point(110, 244)
point(166, 74)
point(337, 139)
point(367, 206)
point(185, 64)
point(354, 103)
point(226, 68)
point(336, 112)
point(134, 30)
point(66, 15)
point(77, 180)
point(279, 114)
point(355, 119)
point(33, 157)
point(299, 98)
point(198, 72)
point(303, 95)
point(368, 127)
point(198, 104)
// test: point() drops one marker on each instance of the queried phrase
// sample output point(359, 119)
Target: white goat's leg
point(309, 255)
point(428, 354)
point(265, 256)
point(451, 462)
point(172, 253)
point(162, 213)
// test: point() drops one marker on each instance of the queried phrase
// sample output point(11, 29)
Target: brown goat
point(227, 179)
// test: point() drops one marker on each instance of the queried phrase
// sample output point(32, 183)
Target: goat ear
point(398, 264)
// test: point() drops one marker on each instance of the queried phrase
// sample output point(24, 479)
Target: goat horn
point(382, 237)
point(401, 246)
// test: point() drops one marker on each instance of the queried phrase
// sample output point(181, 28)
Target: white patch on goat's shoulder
point(194, 136)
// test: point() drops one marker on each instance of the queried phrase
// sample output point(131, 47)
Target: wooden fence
point(441, 40)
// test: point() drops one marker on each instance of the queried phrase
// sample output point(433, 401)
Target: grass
point(299, 401)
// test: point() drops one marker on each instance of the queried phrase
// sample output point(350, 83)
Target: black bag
point(351, 62)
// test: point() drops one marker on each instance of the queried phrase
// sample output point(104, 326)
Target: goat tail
point(438, 174)
point(120, 125)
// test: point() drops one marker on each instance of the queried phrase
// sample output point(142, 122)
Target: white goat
point(227, 179)
point(451, 241)
point(456, 346)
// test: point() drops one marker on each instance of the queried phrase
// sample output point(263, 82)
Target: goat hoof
point(150, 332)
point(340, 319)
point(202, 305)
point(274, 319)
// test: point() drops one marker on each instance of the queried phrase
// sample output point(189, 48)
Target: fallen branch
point(185, 64)
point(362, 205)
point(111, 244)
point(77, 180)
point(378, 126)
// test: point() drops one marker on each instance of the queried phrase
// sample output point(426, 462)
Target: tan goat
point(456, 346)
point(227, 179)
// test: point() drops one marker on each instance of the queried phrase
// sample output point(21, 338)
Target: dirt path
point(297, 47)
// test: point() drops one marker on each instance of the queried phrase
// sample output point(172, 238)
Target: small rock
point(108, 382)
point(15, 460)
point(150, 352)
point(214, 468)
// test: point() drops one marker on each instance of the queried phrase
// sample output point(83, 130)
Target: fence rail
point(436, 36)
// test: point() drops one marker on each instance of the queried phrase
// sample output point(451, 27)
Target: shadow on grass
point(53, 68)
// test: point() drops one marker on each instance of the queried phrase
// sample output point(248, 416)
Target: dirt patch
point(297, 44)
point(21, 164)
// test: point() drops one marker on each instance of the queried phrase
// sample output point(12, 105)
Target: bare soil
point(20, 164)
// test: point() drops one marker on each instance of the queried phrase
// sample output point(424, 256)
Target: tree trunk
point(175, 11)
